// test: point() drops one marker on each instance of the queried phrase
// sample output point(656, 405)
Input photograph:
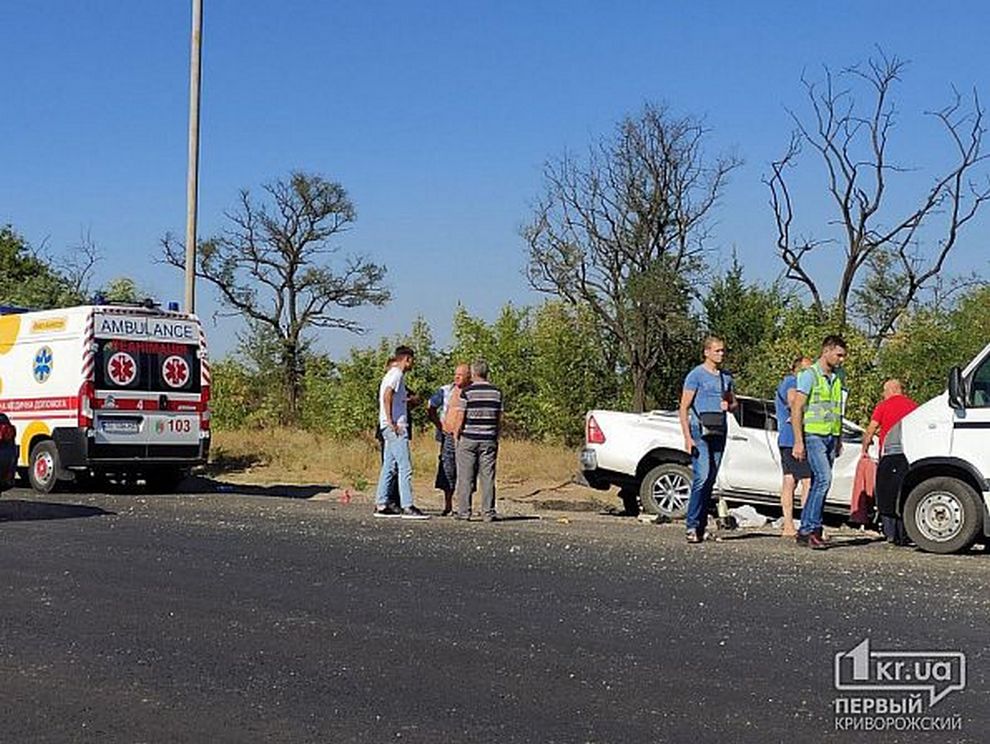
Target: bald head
point(462, 375)
point(892, 388)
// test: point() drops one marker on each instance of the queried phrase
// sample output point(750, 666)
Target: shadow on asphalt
point(203, 484)
point(838, 543)
point(16, 510)
point(518, 518)
point(565, 505)
point(610, 512)
point(729, 536)
point(197, 484)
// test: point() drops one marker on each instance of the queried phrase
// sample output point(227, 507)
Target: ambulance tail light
point(85, 407)
point(204, 414)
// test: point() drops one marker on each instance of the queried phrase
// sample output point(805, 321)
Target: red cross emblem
point(122, 369)
point(175, 370)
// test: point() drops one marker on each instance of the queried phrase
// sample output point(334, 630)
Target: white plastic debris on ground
point(778, 523)
point(747, 516)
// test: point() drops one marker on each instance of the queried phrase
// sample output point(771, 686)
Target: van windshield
point(148, 366)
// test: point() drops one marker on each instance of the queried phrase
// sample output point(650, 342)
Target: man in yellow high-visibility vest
point(816, 414)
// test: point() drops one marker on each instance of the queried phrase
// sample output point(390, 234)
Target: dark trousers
point(890, 477)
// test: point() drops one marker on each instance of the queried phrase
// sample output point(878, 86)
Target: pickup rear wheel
point(943, 515)
point(666, 489)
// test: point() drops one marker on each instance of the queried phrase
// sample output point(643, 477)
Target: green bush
point(548, 362)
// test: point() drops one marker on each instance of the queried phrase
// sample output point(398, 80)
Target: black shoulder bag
point(713, 424)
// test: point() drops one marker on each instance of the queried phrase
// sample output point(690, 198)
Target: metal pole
point(192, 182)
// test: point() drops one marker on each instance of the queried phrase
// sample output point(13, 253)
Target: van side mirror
point(957, 389)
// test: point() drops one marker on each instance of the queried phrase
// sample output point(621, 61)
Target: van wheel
point(943, 515)
point(43, 467)
point(666, 490)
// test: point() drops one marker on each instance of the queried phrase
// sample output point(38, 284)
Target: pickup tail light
point(593, 432)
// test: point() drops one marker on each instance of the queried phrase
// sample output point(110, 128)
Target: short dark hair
point(403, 351)
point(832, 340)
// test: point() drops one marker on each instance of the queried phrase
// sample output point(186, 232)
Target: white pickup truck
point(944, 444)
point(643, 454)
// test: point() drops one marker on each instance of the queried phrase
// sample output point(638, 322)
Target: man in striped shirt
point(480, 419)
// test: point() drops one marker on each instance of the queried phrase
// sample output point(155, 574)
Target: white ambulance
point(105, 390)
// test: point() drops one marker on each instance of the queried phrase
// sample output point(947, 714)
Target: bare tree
point(79, 265)
point(622, 232)
point(886, 242)
point(270, 266)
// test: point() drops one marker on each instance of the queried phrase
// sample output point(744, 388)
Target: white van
point(945, 495)
point(105, 390)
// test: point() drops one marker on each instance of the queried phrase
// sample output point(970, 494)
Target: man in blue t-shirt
point(707, 395)
point(794, 470)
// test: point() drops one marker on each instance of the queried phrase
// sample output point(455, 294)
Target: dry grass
point(291, 456)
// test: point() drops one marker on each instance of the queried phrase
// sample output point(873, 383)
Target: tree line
point(620, 239)
point(547, 359)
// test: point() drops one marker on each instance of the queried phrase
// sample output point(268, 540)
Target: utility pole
point(192, 181)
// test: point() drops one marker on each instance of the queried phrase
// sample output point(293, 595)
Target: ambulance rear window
point(147, 366)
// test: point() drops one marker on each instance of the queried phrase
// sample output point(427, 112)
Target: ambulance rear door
point(147, 388)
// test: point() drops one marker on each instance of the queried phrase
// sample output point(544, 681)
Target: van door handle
point(738, 438)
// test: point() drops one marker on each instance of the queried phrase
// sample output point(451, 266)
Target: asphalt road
point(227, 617)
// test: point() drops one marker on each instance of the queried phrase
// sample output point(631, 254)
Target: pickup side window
point(979, 386)
point(756, 414)
point(849, 434)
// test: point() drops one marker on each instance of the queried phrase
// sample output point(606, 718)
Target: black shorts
point(800, 469)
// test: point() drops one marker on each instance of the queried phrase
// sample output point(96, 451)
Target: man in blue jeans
point(393, 422)
point(816, 415)
point(707, 395)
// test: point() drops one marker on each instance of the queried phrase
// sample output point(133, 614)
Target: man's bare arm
point(868, 435)
point(797, 423)
point(687, 397)
point(434, 417)
point(388, 397)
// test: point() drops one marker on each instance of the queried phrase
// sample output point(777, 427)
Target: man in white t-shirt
point(393, 421)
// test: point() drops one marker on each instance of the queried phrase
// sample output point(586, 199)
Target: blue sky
point(436, 116)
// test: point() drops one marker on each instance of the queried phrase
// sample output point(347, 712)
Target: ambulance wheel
point(43, 467)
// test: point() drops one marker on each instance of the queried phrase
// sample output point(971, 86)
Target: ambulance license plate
point(120, 426)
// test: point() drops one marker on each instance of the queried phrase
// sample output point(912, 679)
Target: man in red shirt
point(894, 406)
point(890, 472)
